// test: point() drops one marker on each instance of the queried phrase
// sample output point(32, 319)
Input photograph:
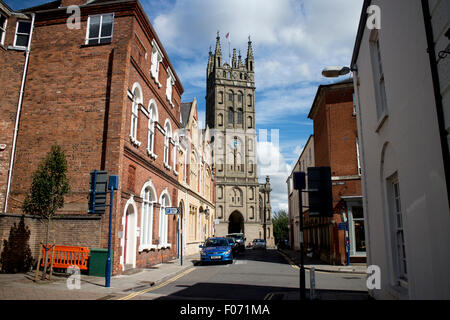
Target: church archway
point(236, 223)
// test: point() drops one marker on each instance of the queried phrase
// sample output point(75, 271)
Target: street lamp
point(336, 71)
point(265, 188)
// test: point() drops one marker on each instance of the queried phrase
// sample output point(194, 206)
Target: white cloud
point(293, 40)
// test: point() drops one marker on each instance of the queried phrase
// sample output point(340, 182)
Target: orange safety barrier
point(66, 256)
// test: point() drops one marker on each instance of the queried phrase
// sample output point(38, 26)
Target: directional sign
point(173, 210)
point(342, 226)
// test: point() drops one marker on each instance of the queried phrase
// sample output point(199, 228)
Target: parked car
point(216, 249)
point(259, 244)
point(239, 237)
point(234, 245)
point(283, 244)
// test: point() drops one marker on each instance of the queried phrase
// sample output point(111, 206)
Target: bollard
point(312, 284)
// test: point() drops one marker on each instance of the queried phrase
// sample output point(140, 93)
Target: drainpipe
point(19, 107)
point(437, 92)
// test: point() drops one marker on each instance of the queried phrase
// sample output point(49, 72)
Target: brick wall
point(12, 63)
point(78, 230)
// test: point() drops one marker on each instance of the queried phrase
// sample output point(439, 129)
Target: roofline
point(359, 35)
point(301, 154)
point(325, 86)
point(115, 2)
point(3, 4)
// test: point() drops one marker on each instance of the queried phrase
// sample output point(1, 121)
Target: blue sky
point(293, 40)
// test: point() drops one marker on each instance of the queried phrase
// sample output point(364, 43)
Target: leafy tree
point(280, 222)
point(47, 191)
point(16, 255)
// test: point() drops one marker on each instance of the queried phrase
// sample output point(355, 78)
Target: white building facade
point(405, 184)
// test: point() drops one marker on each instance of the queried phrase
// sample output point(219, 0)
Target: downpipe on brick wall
point(19, 107)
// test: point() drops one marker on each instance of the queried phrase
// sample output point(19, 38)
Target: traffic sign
point(342, 226)
point(173, 210)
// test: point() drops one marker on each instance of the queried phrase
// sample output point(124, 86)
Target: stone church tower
point(230, 113)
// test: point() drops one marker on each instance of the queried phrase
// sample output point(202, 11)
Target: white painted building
point(401, 129)
point(305, 161)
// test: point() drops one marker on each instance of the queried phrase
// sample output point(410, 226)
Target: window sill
point(86, 45)
point(146, 247)
point(151, 154)
point(17, 48)
point(164, 246)
point(170, 102)
point(134, 142)
point(381, 121)
point(155, 78)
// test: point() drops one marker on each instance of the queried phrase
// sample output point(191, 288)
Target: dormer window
point(157, 58)
point(100, 29)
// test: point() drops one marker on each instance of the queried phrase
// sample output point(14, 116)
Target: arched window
point(240, 115)
point(152, 119)
point(148, 195)
point(163, 221)
point(249, 100)
point(175, 153)
point(240, 97)
point(167, 136)
point(230, 115)
point(137, 99)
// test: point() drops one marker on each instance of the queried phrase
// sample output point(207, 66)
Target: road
point(254, 275)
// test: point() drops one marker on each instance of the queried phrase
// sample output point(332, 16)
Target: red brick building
point(108, 94)
point(336, 146)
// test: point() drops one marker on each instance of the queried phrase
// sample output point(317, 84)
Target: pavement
point(21, 286)
point(294, 258)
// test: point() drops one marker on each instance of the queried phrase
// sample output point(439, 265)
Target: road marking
point(132, 295)
point(268, 296)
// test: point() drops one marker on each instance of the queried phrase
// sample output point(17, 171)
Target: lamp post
point(265, 188)
point(336, 71)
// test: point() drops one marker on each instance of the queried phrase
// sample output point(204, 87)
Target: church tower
point(230, 113)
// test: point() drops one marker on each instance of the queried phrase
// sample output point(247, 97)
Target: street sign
point(342, 226)
point(173, 210)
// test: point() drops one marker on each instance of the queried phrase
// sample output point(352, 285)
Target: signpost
point(113, 184)
point(176, 210)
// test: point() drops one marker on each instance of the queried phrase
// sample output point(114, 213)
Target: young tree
point(47, 191)
point(280, 222)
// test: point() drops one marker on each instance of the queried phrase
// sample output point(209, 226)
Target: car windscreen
point(216, 243)
point(230, 240)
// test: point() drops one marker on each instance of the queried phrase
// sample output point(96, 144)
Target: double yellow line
point(289, 260)
point(132, 295)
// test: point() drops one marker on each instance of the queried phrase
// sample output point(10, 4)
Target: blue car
point(215, 250)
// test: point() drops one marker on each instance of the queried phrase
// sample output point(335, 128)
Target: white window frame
point(135, 114)
point(17, 33)
point(169, 86)
point(100, 29)
point(3, 29)
point(378, 77)
point(397, 233)
point(163, 220)
point(147, 216)
point(358, 157)
point(176, 149)
point(156, 58)
point(152, 119)
point(167, 137)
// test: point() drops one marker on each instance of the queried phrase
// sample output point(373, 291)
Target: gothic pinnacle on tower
point(249, 62)
point(210, 62)
point(218, 53)
point(234, 63)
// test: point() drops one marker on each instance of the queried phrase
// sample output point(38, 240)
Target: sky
point(292, 40)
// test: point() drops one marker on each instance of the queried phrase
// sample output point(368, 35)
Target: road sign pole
point(108, 261)
point(181, 236)
point(302, 252)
